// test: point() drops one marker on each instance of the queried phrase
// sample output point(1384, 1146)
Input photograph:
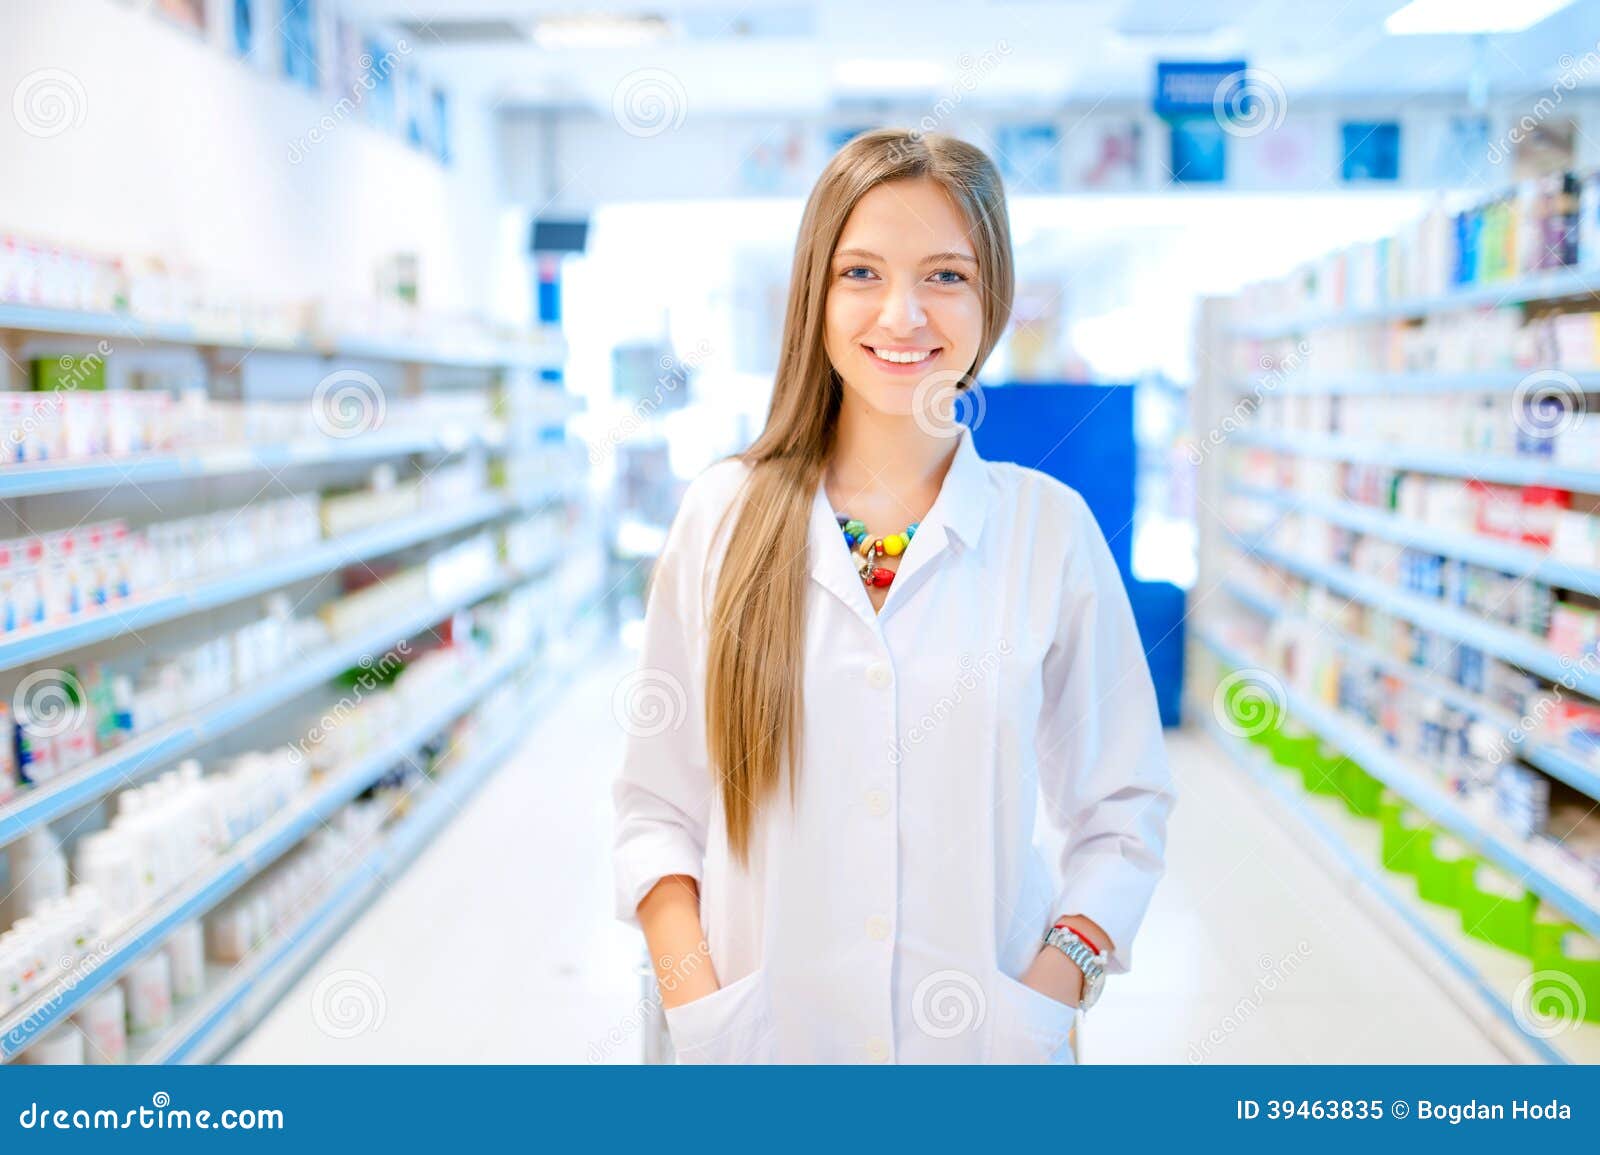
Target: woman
point(827, 837)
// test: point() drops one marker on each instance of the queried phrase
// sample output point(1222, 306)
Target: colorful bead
point(866, 549)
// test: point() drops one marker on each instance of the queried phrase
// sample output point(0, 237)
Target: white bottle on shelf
point(147, 986)
point(105, 861)
point(103, 1021)
point(38, 874)
point(186, 958)
point(62, 1047)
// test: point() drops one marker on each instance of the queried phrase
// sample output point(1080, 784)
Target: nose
point(902, 312)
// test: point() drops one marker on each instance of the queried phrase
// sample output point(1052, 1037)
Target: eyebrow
point(931, 258)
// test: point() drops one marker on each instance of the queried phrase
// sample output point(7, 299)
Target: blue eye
point(854, 269)
point(959, 277)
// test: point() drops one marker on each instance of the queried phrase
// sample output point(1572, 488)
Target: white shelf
point(474, 355)
point(35, 643)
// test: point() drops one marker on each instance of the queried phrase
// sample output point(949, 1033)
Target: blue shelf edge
point(1551, 760)
point(34, 644)
point(1505, 470)
point(1552, 286)
point(1501, 641)
point(1524, 561)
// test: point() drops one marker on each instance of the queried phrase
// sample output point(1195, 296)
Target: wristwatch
point(1094, 975)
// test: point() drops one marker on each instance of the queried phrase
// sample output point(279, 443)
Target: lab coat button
point(877, 802)
point(878, 675)
point(878, 927)
point(877, 1049)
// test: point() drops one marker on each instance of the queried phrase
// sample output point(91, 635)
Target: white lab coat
point(886, 916)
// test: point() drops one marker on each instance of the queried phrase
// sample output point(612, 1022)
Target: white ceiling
point(781, 54)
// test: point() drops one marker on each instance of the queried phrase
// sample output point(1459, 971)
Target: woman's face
point(903, 317)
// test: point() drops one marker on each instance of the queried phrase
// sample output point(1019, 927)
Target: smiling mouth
point(901, 359)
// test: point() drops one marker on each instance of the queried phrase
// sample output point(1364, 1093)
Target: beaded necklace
point(866, 550)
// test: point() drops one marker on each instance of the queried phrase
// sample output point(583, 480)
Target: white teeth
point(904, 358)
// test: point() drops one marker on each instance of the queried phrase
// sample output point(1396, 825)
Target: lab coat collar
point(959, 512)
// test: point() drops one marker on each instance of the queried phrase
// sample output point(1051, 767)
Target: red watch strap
point(1081, 937)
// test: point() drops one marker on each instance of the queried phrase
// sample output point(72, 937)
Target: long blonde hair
point(754, 665)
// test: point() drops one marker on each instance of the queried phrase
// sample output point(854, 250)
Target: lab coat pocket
point(1030, 1027)
point(733, 1024)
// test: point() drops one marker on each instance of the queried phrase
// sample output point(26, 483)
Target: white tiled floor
point(498, 944)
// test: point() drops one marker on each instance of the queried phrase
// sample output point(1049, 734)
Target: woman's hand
point(1055, 976)
point(1052, 973)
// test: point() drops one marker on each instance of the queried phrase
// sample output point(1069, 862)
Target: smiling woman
point(843, 823)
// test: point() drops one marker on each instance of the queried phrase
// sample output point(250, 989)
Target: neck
point(884, 462)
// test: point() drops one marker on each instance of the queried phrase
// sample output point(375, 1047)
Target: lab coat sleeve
point(662, 792)
point(1107, 784)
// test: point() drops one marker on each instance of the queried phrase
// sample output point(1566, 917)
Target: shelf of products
point(102, 615)
point(1500, 980)
point(1535, 243)
point(431, 550)
point(1409, 520)
point(236, 992)
point(253, 813)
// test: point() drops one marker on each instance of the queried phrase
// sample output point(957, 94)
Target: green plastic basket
point(1564, 986)
point(1404, 830)
point(1361, 790)
point(1439, 865)
point(1506, 920)
point(1321, 772)
point(1292, 747)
